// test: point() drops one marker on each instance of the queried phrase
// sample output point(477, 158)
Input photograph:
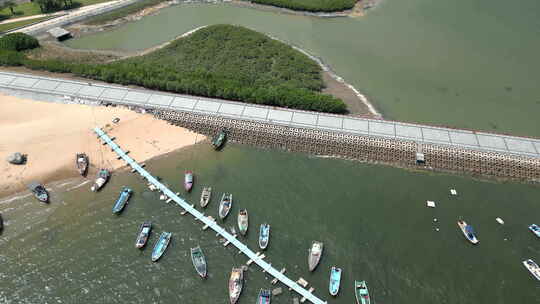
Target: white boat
point(205, 196)
point(533, 268)
point(468, 231)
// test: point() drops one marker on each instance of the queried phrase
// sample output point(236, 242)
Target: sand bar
point(51, 134)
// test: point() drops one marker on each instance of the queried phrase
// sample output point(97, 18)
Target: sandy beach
point(51, 134)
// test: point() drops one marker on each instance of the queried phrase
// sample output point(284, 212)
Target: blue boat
point(264, 296)
point(161, 245)
point(535, 229)
point(122, 200)
point(264, 236)
point(335, 280)
point(468, 231)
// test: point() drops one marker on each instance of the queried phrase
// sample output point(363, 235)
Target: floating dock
point(279, 276)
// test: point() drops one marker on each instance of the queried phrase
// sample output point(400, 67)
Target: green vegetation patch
point(221, 61)
point(18, 42)
point(12, 25)
point(311, 5)
point(122, 12)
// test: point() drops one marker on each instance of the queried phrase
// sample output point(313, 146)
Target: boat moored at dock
point(101, 180)
point(206, 194)
point(315, 253)
point(265, 295)
point(81, 160)
point(188, 180)
point(468, 231)
point(361, 292)
point(219, 139)
point(535, 229)
point(264, 236)
point(533, 268)
point(122, 200)
point(40, 193)
point(236, 282)
point(225, 205)
point(144, 235)
point(243, 221)
point(335, 280)
point(199, 261)
point(161, 245)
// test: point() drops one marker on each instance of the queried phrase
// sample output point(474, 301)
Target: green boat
point(219, 139)
point(361, 292)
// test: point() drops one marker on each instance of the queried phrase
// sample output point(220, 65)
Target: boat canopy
point(469, 229)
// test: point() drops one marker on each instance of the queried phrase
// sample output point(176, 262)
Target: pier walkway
point(209, 222)
point(62, 90)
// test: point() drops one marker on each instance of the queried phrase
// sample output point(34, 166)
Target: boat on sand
point(144, 235)
point(315, 253)
point(205, 196)
point(82, 163)
point(361, 292)
point(243, 221)
point(264, 296)
point(122, 200)
point(468, 231)
point(101, 180)
point(199, 261)
point(533, 268)
point(236, 282)
point(225, 205)
point(335, 280)
point(219, 139)
point(264, 236)
point(188, 180)
point(161, 245)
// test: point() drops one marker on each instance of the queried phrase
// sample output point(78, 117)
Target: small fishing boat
point(82, 163)
point(535, 229)
point(236, 282)
point(205, 196)
point(361, 292)
point(122, 200)
point(161, 245)
point(225, 205)
point(264, 236)
point(39, 192)
point(243, 221)
point(144, 235)
point(219, 139)
point(199, 261)
point(188, 180)
point(335, 280)
point(264, 296)
point(315, 253)
point(102, 178)
point(468, 231)
point(533, 268)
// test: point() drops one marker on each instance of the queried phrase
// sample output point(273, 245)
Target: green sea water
point(465, 63)
point(372, 219)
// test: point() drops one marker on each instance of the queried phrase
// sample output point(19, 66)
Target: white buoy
point(436, 229)
point(163, 197)
point(500, 220)
point(431, 204)
point(435, 219)
point(453, 191)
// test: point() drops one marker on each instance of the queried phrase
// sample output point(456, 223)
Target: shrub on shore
point(18, 42)
point(311, 5)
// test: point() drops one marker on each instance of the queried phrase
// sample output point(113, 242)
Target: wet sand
point(51, 135)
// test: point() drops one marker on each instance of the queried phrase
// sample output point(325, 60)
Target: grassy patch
point(311, 5)
point(32, 8)
point(122, 12)
point(12, 25)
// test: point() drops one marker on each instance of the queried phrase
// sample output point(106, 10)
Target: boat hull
point(199, 261)
point(535, 229)
point(144, 234)
point(122, 201)
point(335, 281)
point(101, 180)
point(225, 206)
point(468, 235)
point(161, 246)
point(188, 181)
point(361, 292)
point(264, 236)
point(243, 221)
point(219, 140)
point(236, 283)
point(205, 196)
point(315, 253)
point(82, 162)
point(533, 268)
point(265, 296)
